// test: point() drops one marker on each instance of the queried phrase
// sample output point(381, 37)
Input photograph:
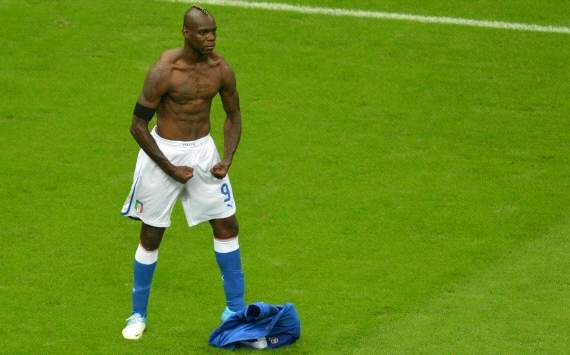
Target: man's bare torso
point(184, 110)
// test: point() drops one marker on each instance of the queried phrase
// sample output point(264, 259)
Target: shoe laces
point(227, 313)
point(135, 318)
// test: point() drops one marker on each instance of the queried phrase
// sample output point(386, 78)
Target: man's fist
point(182, 174)
point(220, 170)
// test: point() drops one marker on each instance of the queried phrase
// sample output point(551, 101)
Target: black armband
point(143, 112)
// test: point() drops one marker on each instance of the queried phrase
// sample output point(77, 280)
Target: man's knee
point(225, 228)
point(151, 237)
point(233, 230)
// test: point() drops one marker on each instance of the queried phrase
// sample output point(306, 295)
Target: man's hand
point(220, 170)
point(182, 174)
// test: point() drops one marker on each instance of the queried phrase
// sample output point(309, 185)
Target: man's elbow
point(138, 126)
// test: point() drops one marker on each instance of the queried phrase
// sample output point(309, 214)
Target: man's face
point(200, 33)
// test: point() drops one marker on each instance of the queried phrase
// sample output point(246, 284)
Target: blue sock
point(229, 261)
point(145, 263)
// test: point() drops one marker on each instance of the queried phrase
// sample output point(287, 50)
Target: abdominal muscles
point(184, 120)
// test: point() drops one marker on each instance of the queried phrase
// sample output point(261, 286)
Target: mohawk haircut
point(201, 9)
point(196, 7)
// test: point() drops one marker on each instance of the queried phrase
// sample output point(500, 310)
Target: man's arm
point(232, 125)
point(155, 85)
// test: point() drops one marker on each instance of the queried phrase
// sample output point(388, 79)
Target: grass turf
point(405, 185)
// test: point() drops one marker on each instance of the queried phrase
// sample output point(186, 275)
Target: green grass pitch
point(405, 185)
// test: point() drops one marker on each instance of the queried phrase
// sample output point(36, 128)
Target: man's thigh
point(153, 194)
point(207, 198)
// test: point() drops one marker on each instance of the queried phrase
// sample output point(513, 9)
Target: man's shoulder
point(170, 56)
point(166, 63)
point(218, 61)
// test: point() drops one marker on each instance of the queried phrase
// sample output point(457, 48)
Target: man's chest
point(192, 84)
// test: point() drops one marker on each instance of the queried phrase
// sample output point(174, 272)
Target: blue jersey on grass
point(279, 324)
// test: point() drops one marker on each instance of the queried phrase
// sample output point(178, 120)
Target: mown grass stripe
point(383, 15)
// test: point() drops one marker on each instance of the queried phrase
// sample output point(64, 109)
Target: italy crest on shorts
point(139, 206)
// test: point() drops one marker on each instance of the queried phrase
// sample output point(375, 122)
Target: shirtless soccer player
point(178, 159)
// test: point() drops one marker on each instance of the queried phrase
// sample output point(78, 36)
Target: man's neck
point(192, 56)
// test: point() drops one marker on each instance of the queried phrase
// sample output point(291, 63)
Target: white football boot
point(227, 313)
point(259, 343)
point(135, 327)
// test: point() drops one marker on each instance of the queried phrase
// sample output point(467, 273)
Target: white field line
point(380, 15)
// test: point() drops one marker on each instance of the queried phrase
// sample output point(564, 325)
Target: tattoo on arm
point(155, 85)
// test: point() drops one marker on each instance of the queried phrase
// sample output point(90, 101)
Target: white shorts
point(153, 193)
